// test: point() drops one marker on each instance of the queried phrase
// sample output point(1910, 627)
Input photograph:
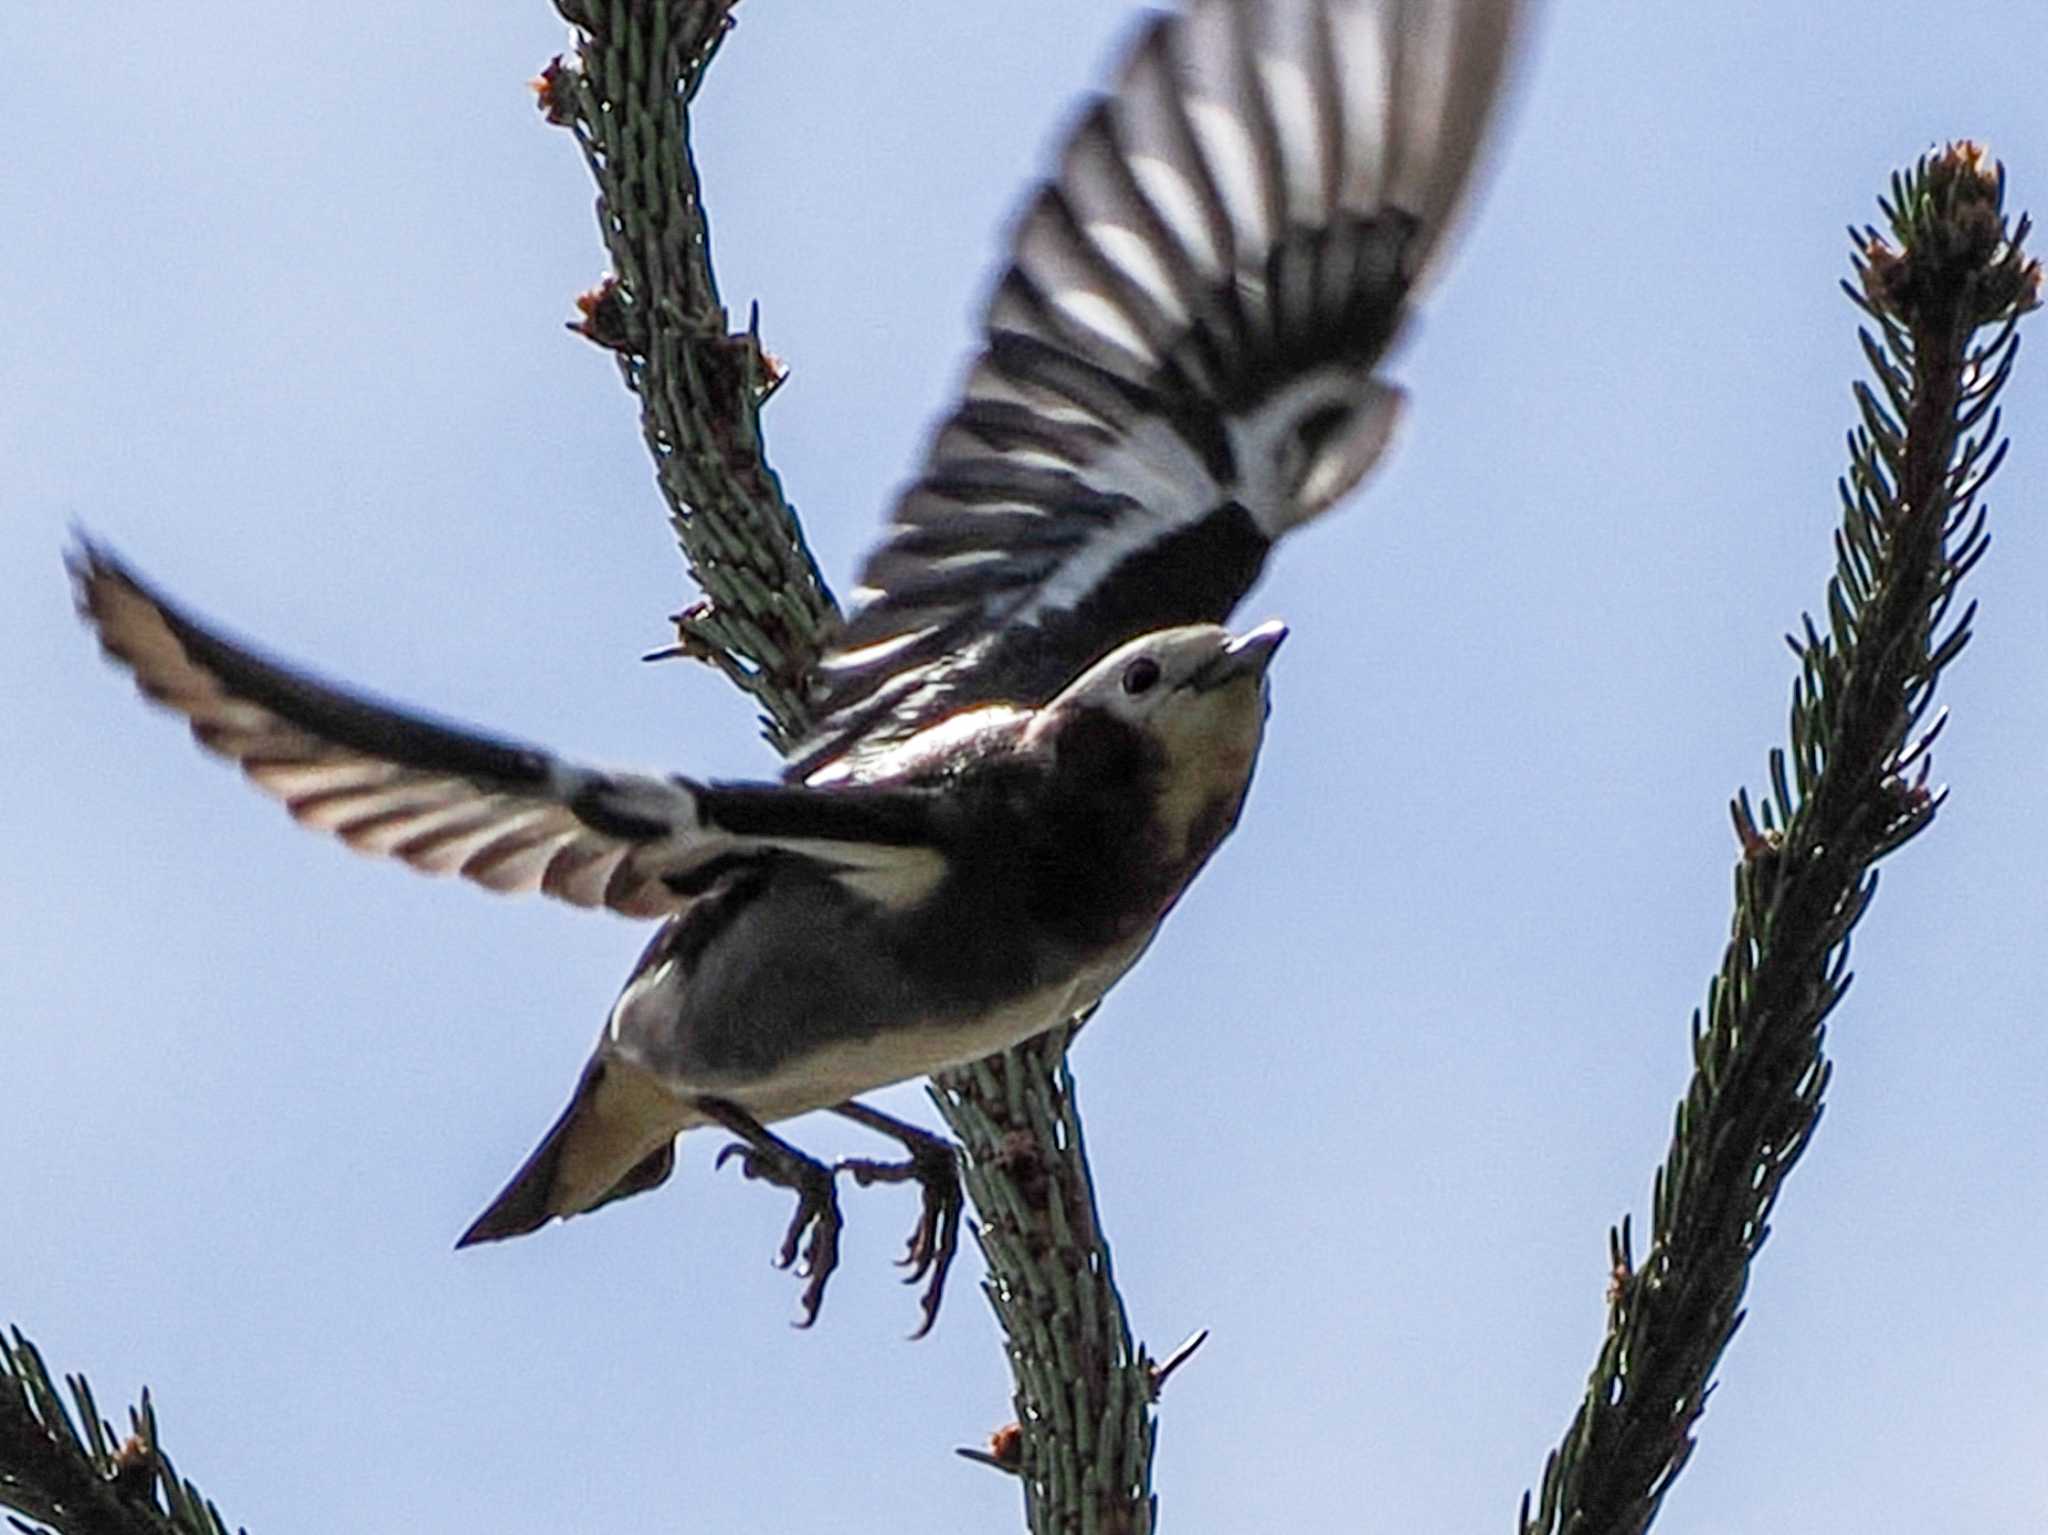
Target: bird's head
point(1192, 682)
point(1193, 702)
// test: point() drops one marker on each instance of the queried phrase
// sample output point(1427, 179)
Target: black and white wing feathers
point(509, 817)
point(1179, 360)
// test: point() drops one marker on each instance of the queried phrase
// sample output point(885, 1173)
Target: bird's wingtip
point(84, 558)
point(97, 573)
point(86, 553)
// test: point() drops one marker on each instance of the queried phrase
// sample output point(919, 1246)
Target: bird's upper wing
point(1179, 360)
point(510, 817)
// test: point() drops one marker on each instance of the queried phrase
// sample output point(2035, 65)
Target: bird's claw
point(749, 1164)
point(935, 1166)
point(817, 1211)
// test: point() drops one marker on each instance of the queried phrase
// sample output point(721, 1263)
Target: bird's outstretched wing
point(1179, 360)
point(451, 801)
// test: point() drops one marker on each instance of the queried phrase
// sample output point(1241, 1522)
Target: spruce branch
point(1084, 1393)
point(1851, 788)
point(625, 95)
point(76, 1475)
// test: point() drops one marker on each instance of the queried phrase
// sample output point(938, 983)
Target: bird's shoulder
point(938, 757)
point(1012, 772)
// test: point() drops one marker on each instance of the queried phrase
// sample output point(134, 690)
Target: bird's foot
point(769, 1159)
point(934, 1165)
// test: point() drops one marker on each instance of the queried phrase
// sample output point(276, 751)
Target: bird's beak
point(1245, 656)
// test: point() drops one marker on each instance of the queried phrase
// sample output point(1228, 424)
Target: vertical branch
point(1084, 1393)
point(1850, 789)
point(625, 95)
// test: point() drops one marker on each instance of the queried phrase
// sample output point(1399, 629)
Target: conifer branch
point(625, 96)
point(75, 1474)
point(1851, 788)
point(1085, 1431)
point(1083, 1393)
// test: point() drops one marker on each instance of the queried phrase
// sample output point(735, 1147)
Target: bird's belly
point(846, 1067)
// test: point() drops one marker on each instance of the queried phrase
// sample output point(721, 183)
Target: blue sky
point(284, 286)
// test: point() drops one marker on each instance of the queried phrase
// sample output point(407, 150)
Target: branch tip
point(1850, 788)
point(553, 91)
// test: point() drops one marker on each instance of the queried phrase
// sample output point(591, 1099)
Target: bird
point(1033, 728)
point(994, 882)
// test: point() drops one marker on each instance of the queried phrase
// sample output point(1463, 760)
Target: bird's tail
point(617, 1137)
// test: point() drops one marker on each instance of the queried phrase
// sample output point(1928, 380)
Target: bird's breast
point(841, 1068)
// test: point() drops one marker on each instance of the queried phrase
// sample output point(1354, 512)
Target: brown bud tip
point(1959, 260)
point(1006, 1446)
point(1909, 799)
point(1755, 842)
point(133, 1472)
point(552, 91)
point(1885, 273)
point(607, 316)
point(1617, 1284)
point(1965, 171)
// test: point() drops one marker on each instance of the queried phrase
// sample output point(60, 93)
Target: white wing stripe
point(1293, 102)
point(1362, 64)
point(1098, 314)
point(1134, 256)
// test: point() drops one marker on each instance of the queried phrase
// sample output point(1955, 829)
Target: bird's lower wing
point(447, 800)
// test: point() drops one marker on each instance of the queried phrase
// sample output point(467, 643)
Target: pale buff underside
point(634, 1110)
point(1211, 741)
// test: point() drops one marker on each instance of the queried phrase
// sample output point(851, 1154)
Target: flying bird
point(1032, 730)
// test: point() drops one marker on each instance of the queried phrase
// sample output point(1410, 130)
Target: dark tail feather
point(523, 1204)
point(537, 1192)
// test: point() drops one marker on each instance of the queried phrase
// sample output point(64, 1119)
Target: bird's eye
point(1140, 675)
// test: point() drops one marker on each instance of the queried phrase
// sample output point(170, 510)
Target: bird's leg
point(935, 1165)
point(773, 1160)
